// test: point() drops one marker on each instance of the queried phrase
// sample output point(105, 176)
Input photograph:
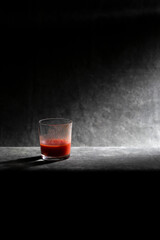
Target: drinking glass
point(55, 138)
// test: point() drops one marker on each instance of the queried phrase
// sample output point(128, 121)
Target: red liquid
point(55, 147)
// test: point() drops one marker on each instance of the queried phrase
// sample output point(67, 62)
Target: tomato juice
point(55, 148)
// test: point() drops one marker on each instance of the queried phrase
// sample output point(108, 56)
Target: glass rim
point(50, 124)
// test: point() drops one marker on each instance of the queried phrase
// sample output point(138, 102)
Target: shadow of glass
point(23, 163)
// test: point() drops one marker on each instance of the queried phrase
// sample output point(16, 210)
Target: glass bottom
point(51, 158)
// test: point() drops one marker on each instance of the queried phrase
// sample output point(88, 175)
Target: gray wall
point(100, 68)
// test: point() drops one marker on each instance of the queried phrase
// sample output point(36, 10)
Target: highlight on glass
point(55, 136)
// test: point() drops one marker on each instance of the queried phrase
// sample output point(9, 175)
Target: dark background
point(97, 63)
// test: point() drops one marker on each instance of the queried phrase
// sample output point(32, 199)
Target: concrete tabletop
point(82, 159)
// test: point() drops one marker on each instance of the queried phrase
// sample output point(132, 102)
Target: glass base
point(51, 158)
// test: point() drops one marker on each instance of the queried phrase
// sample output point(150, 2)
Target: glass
point(55, 138)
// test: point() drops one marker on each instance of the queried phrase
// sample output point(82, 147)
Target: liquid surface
point(55, 147)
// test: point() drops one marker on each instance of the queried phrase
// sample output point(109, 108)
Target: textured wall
point(101, 72)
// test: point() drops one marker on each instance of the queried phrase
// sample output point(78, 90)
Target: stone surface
point(102, 72)
point(82, 159)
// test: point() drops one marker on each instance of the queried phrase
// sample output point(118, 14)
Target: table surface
point(82, 159)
